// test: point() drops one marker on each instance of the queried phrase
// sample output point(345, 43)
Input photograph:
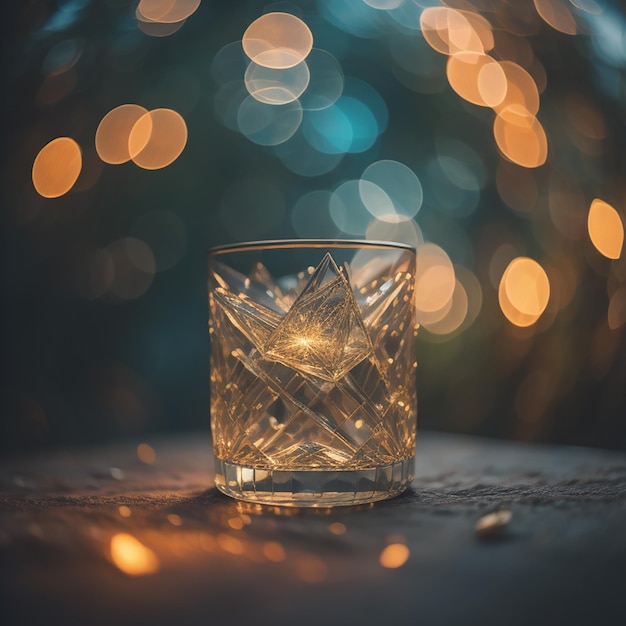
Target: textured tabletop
point(211, 560)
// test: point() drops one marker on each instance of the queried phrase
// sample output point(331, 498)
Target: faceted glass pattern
point(313, 399)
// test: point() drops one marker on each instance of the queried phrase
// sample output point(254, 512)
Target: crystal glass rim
point(276, 244)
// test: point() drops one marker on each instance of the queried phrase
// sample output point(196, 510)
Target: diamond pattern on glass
point(305, 374)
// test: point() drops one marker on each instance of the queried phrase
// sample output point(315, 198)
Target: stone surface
point(561, 559)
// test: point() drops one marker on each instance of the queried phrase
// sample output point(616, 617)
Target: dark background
point(82, 364)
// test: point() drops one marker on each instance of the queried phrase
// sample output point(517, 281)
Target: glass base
point(313, 488)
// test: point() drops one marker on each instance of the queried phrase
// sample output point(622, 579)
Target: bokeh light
point(157, 139)
point(276, 86)
point(277, 40)
point(274, 551)
point(394, 555)
point(617, 309)
point(229, 63)
point(364, 22)
point(455, 313)
point(329, 130)
point(521, 136)
point(228, 99)
point(606, 229)
point(167, 11)
point(524, 291)
point(521, 89)
point(434, 283)
point(557, 14)
point(337, 528)
point(132, 557)
point(400, 231)
point(348, 125)
point(311, 569)
point(159, 29)
point(56, 167)
point(347, 209)
point(477, 78)
point(454, 179)
point(113, 132)
point(384, 5)
point(370, 98)
point(267, 124)
point(300, 157)
point(62, 56)
point(325, 82)
point(402, 190)
point(146, 453)
point(311, 218)
point(231, 544)
point(406, 16)
point(448, 31)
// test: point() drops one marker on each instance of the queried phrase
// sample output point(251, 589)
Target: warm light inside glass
point(312, 369)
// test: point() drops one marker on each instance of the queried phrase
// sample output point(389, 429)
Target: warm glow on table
point(132, 557)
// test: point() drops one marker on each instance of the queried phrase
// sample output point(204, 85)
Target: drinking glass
point(313, 397)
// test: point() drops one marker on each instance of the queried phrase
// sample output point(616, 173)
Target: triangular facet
point(357, 347)
point(254, 320)
point(324, 273)
point(258, 286)
point(323, 333)
point(246, 452)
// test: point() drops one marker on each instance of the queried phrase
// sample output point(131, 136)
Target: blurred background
point(488, 133)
